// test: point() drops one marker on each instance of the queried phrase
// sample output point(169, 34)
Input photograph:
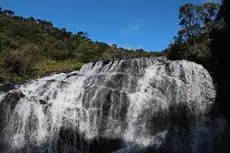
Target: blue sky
point(148, 24)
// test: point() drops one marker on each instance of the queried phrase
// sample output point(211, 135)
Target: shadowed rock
point(7, 87)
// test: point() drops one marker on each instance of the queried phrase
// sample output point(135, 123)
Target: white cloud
point(129, 30)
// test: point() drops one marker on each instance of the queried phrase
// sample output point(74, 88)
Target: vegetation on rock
point(31, 48)
point(204, 37)
point(193, 39)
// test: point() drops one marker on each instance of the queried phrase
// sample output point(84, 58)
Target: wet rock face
point(122, 106)
point(7, 87)
point(11, 99)
point(7, 105)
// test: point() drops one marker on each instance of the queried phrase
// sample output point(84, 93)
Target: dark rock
point(104, 145)
point(7, 87)
point(7, 107)
point(12, 99)
point(106, 62)
point(73, 74)
point(43, 102)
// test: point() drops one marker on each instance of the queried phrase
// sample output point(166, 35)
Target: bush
point(175, 51)
point(49, 66)
point(111, 53)
point(21, 61)
point(32, 47)
point(200, 54)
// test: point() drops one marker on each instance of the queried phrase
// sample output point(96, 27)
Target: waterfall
point(136, 105)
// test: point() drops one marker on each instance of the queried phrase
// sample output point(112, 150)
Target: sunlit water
point(147, 104)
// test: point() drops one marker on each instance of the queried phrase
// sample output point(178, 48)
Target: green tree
point(189, 23)
point(8, 12)
point(207, 15)
point(32, 47)
point(196, 22)
point(192, 41)
point(84, 52)
point(111, 53)
point(31, 19)
point(21, 61)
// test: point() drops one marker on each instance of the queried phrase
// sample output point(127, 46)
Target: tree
point(82, 35)
point(85, 52)
point(21, 61)
point(27, 45)
point(114, 46)
point(8, 12)
point(196, 22)
point(31, 19)
point(189, 23)
point(111, 53)
point(207, 14)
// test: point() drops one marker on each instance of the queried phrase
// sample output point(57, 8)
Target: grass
point(50, 66)
point(42, 68)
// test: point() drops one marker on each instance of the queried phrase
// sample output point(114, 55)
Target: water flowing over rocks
point(137, 105)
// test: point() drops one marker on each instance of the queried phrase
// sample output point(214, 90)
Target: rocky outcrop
point(137, 105)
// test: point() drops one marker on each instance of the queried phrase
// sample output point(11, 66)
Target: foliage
point(193, 39)
point(204, 37)
point(50, 66)
point(31, 47)
point(196, 22)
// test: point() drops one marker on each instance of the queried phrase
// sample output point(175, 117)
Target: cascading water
point(122, 106)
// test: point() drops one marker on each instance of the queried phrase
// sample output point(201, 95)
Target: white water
point(142, 102)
